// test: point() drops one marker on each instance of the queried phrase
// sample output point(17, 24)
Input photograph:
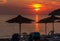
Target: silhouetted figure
point(24, 36)
point(15, 37)
point(34, 36)
point(51, 33)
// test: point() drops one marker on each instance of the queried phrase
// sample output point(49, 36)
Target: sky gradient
point(22, 6)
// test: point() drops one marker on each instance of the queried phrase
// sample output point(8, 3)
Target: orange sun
point(37, 6)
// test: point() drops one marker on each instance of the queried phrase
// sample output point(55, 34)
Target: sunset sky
point(11, 8)
point(22, 6)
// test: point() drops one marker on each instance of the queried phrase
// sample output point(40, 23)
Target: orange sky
point(48, 5)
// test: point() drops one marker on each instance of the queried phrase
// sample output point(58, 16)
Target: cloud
point(57, 0)
point(8, 10)
point(55, 3)
point(3, 1)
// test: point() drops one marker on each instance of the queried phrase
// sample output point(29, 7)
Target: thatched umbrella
point(55, 12)
point(20, 19)
point(50, 19)
point(58, 21)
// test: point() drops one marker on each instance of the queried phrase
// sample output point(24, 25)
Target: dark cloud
point(8, 9)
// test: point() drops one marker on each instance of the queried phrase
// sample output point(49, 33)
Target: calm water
point(7, 29)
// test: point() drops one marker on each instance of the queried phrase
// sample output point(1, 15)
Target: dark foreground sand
point(6, 39)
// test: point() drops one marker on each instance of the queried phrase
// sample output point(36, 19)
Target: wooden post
point(20, 28)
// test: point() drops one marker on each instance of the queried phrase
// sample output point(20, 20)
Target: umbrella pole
point(53, 28)
point(45, 28)
point(20, 28)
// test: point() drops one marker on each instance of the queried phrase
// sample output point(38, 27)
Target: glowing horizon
point(36, 24)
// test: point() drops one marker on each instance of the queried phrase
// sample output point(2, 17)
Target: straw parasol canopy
point(50, 19)
point(55, 12)
point(20, 19)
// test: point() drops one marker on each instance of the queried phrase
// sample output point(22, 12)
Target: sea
point(8, 29)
